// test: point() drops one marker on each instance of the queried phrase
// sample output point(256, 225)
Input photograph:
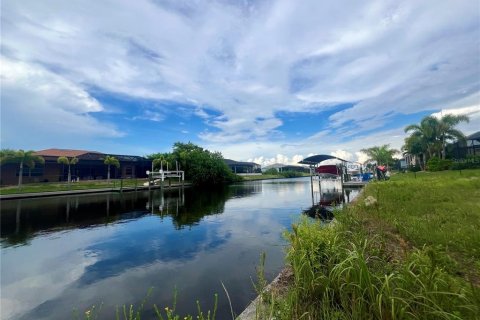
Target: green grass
point(131, 312)
point(114, 184)
point(440, 209)
point(411, 254)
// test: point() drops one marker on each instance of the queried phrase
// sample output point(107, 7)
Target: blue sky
point(267, 80)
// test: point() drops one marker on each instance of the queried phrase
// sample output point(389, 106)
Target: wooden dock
point(354, 184)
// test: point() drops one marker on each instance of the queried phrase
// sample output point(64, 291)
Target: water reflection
point(328, 196)
point(21, 220)
point(65, 252)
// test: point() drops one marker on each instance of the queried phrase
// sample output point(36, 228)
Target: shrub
point(470, 162)
point(271, 171)
point(290, 174)
point(414, 168)
point(437, 164)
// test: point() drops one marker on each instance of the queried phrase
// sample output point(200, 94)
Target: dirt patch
point(281, 283)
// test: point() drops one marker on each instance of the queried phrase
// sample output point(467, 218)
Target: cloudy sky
point(263, 80)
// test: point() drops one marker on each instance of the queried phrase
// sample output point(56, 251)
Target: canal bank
point(390, 255)
point(280, 285)
point(88, 191)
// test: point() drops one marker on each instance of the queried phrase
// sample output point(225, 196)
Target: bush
point(271, 171)
point(471, 162)
point(290, 174)
point(201, 166)
point(437, 164)
point(414, 168)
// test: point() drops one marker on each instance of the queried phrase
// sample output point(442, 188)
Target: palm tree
point(382, 155)
point(433, 133)
point(415, 146)
point(69, 162)
point(427, 134)
point(111, 161)
point(447, 129)
point(22, 158)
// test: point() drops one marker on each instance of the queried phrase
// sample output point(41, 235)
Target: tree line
point(201, 166)
point(427, 142)
point(30, 160)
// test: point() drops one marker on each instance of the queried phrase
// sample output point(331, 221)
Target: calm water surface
point(64, 253)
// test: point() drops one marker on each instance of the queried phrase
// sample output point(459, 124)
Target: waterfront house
point(90, 166)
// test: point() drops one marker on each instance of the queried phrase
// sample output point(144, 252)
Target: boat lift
point(160, 175)
point(335, 181)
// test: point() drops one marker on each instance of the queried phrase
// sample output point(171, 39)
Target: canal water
point(68, 253)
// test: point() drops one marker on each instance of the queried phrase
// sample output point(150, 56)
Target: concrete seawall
point(85, 191)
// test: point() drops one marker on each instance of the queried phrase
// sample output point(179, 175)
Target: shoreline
point(279, 284)
point(42, 194)
point(15, 196)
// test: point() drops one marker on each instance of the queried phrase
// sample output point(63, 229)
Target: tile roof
point(63, 152)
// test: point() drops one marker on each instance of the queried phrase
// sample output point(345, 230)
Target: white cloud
point(154, 116)
point(473, 112)
point(278, 159)
point(361, 157)
point(39, 106)
point(250, 61)
point(342, 154)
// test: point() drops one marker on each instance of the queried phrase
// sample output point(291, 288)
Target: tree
point(162, 160)
point(382, 155)
point(201, 166)
point(415, 146)
point(69, 162)
point(271, 171)
point(22, 158)
point(433, 133)
point(427, 135)
point(447, 129)
point(111, 161)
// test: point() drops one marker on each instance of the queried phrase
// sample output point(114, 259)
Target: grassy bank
point(101, 184)
point(81, 185)
point(407, 249)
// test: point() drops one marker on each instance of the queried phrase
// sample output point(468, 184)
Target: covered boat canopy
point(316, 159)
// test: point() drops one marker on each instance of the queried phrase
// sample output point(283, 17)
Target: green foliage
point(339, 275)
point(22, 158)
point(111, 161)
point(201, 166)
point(471, 162)
point(271, 171)
point(382, 155)
point(81, 185)
point(163, 160)
point(291, 174)
point(414, 168)
point(437, 164)
point(132, 312)
point(432, 134)
point(408, 256)
point(67, 161)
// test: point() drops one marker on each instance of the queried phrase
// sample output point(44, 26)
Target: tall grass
point(384, 259)
point(340, 275)
point(132, 312)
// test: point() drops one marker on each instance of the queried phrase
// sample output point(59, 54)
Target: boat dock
point(354, 184)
